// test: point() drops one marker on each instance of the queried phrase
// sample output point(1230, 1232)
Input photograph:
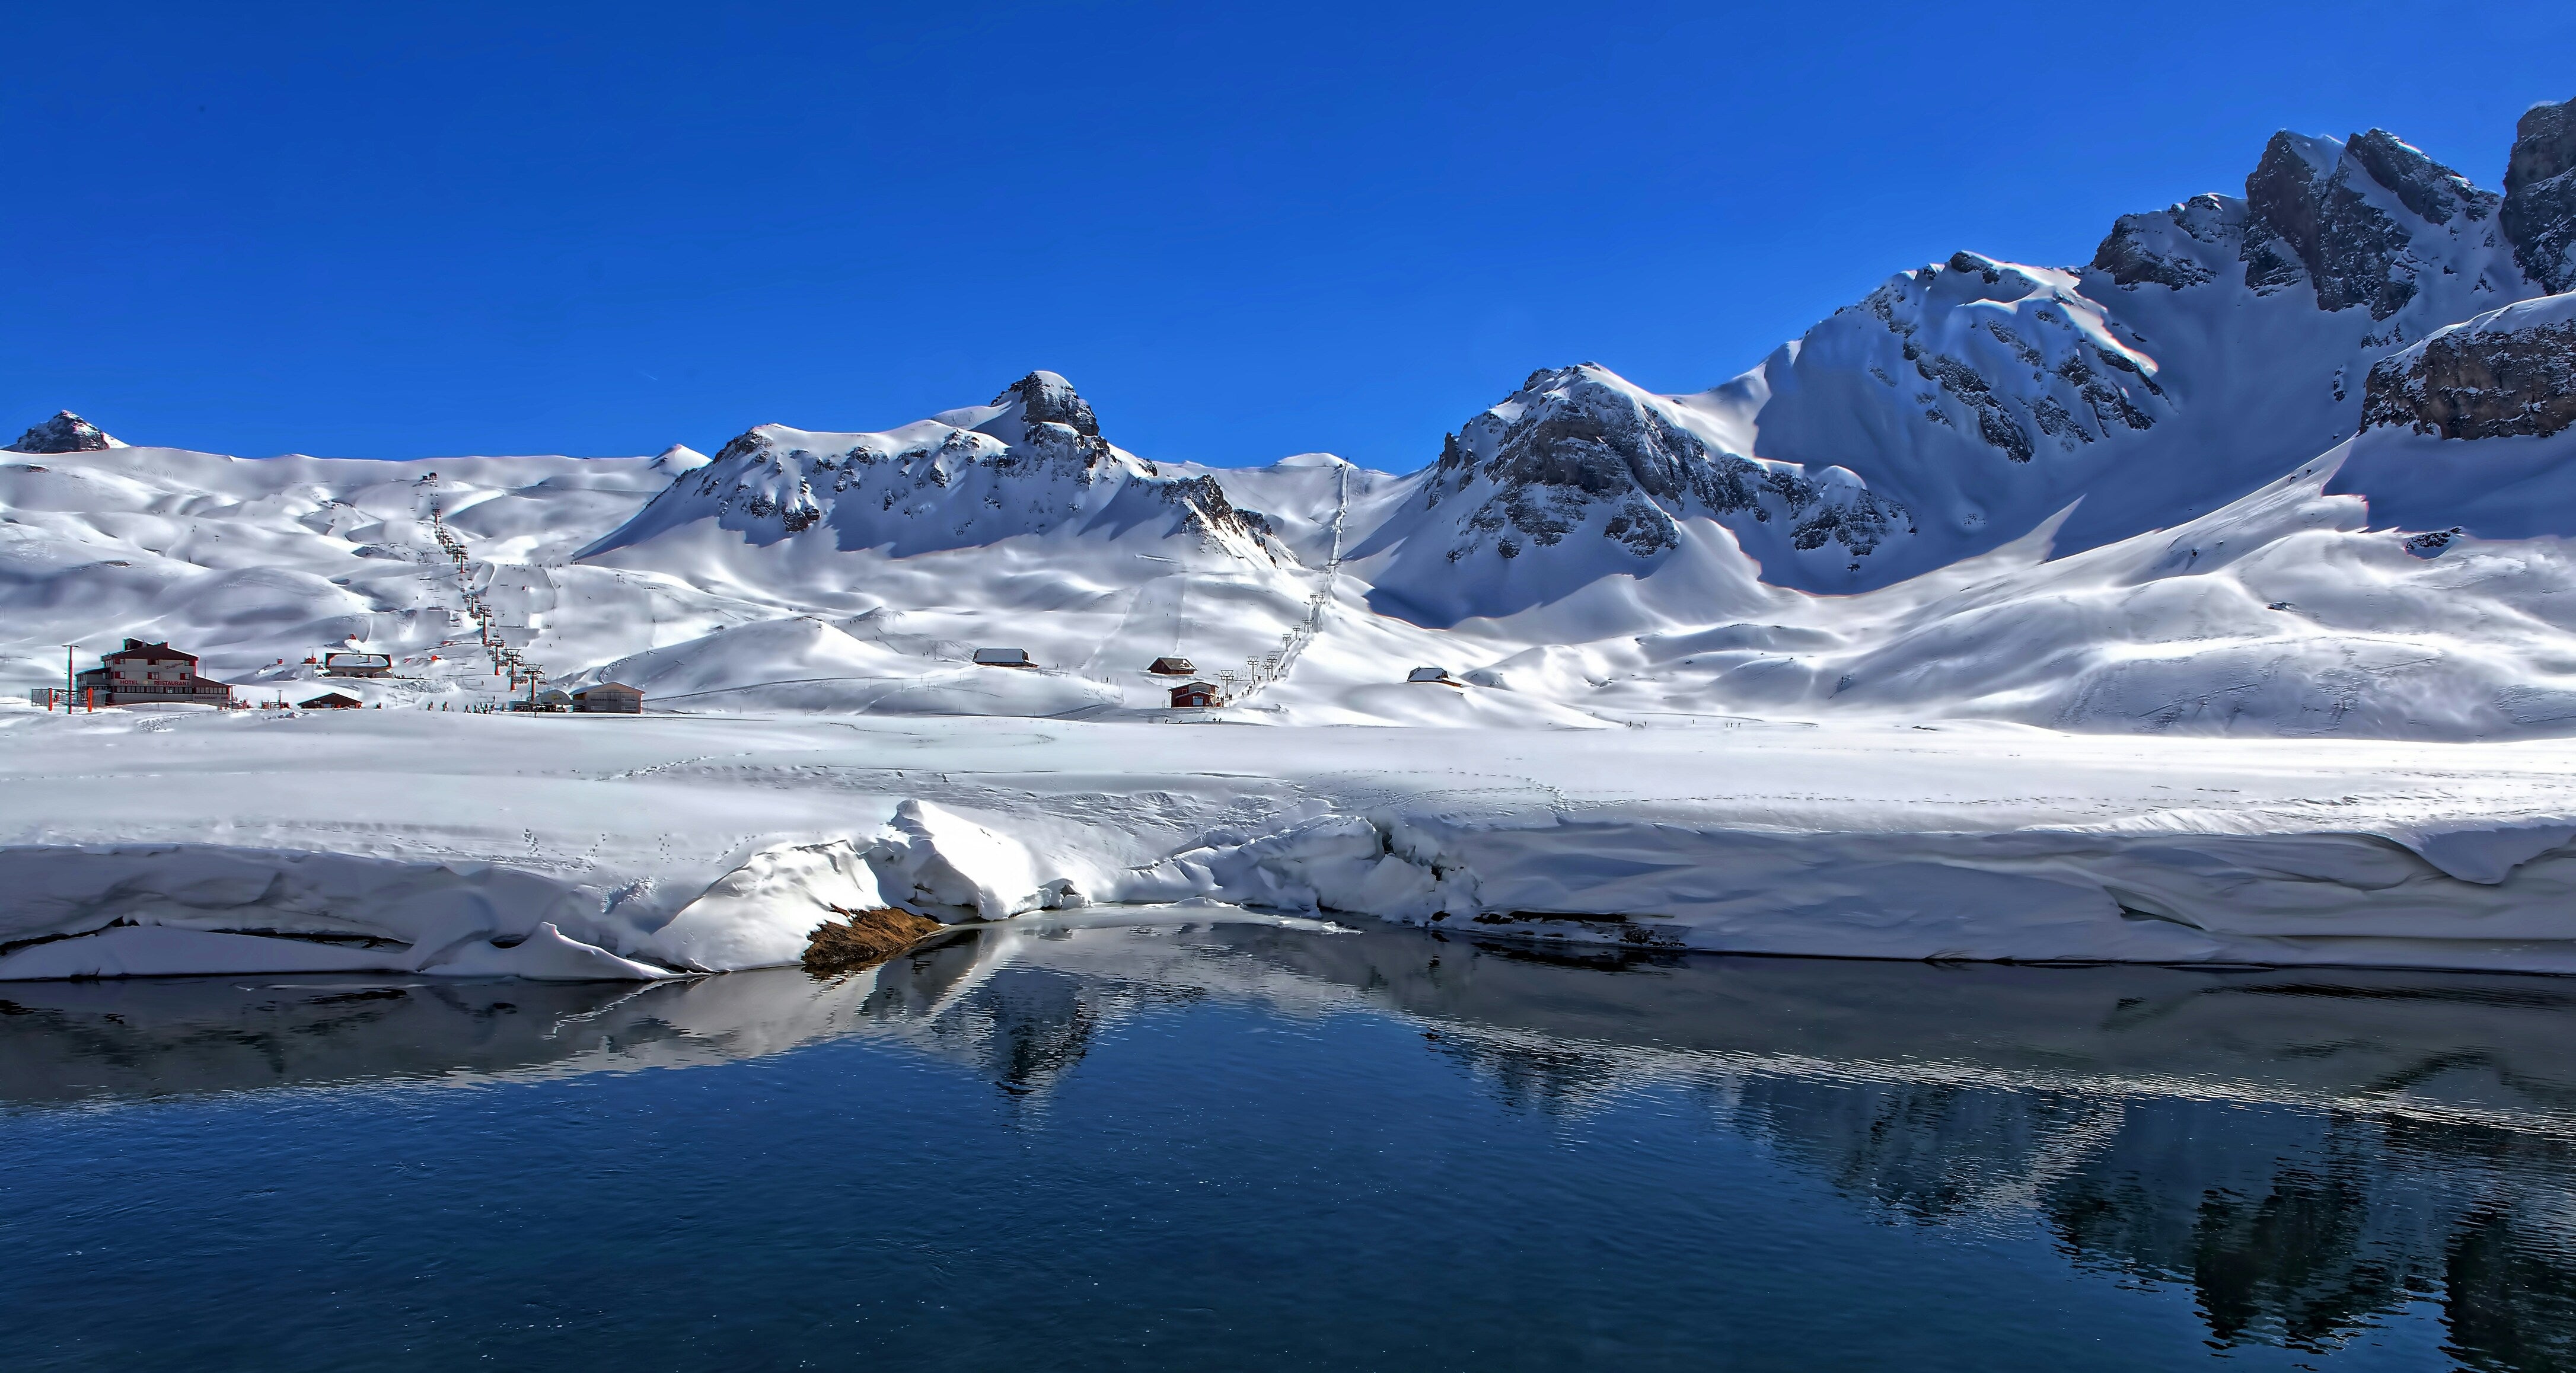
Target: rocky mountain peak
point(2434, 192)
point(2539, 213)
point(1046, 398)
point(64, 433)
point(2319, 212)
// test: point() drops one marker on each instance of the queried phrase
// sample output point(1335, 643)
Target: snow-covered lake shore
point(640, 847)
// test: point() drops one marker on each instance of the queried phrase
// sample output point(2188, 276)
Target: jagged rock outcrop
point(2315, 217)
point(1046, 398)
point(2130, 253)
point(2505, 374)
point(1578, 447)
point(64, 433)
point(2540, 195)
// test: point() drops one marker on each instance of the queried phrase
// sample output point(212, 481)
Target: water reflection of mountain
point(2304, 1152)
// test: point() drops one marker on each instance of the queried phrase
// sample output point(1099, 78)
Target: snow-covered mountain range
point(2295, 460)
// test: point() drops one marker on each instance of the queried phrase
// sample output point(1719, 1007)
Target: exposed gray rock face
point(1570, 442)
point(2434, 192)
point(2539, 213)
point(2130, 256)
point(2080, 407)
point(2316, 221)
point(2475, 382)
point(1046, 398)
point(64, 433)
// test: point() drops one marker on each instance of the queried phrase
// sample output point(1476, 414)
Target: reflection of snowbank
point(2430, 1046)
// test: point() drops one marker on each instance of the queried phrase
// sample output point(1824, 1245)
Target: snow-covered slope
point(2403, 583)
point(249, 561)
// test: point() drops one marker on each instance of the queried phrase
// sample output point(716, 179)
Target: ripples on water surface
point(1244, 1146)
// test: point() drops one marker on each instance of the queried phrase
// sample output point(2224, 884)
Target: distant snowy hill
point(2297, 461)
point(249, 561)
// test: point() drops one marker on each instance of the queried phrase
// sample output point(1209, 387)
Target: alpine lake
point(1180, 1144)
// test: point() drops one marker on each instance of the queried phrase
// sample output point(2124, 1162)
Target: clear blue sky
point(1243, 231)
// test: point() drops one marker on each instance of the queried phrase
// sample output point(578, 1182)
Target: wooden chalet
point(1173, 667)
point(1195, 696)
point(608, 698)
point(141, 673)
point(330, 700)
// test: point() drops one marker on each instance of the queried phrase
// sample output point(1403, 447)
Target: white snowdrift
point(145, 911)
point(931, 860)
point(161, 911)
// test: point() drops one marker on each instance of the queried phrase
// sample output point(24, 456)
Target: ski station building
point(142, 673)
point(608, 698)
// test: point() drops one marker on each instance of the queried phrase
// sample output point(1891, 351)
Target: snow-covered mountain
point(2206, 350)
point(1580, 476)
point(2297, 460)
point(1030, 463)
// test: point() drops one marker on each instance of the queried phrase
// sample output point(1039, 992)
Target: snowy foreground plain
point(642, 847)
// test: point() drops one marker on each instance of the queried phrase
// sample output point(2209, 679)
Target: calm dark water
point(1247, 1147)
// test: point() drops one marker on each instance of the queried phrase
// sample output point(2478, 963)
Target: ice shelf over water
point(564, 847)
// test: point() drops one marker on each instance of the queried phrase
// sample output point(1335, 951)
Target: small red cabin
point(329, 700)
point(1194, 696)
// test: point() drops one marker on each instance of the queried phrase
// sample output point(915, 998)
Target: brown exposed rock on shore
point(863, 939)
